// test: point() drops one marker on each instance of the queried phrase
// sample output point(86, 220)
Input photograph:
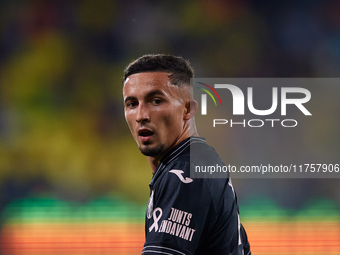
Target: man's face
point(155, 111)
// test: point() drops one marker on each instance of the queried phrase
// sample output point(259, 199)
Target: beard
point(152, 152)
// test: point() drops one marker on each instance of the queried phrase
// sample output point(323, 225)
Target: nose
point(142, 114)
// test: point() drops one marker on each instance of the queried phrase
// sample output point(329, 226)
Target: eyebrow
point(148, 95)
point(129, 99)
point(154, 93)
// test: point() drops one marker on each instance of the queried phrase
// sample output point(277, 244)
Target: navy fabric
point(192, 216)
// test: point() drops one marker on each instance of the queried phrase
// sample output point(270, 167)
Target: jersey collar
point(174, 153)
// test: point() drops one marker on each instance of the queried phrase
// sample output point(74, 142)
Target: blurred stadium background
point(72, 180)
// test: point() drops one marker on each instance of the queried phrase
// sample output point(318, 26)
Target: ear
point(191, 106)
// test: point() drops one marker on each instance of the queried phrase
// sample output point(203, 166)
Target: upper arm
point(180, 209)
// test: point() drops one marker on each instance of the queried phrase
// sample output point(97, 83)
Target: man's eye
point(131, 104)
point(156, 101)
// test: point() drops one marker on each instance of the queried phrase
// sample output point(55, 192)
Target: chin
point(151, 151)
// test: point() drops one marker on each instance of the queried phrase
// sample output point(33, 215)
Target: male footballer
point(184, 215)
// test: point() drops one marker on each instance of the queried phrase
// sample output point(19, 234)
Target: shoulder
point(203, 153)
point(178, 182)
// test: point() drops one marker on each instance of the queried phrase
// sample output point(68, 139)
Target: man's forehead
point(127, 79)
point(142, 82)
point(148, 77)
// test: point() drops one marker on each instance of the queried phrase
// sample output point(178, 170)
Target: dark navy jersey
point(192, 216)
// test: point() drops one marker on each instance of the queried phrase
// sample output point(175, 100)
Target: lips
point(145, 134)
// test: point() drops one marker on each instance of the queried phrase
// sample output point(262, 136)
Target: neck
point(192, 131)
point(153, 162)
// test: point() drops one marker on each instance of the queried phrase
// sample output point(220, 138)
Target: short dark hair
point(179, 69)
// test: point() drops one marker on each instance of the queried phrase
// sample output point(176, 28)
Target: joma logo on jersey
point(180, 176)
point(239, 99)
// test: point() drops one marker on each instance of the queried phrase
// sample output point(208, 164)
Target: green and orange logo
point(204, 97)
